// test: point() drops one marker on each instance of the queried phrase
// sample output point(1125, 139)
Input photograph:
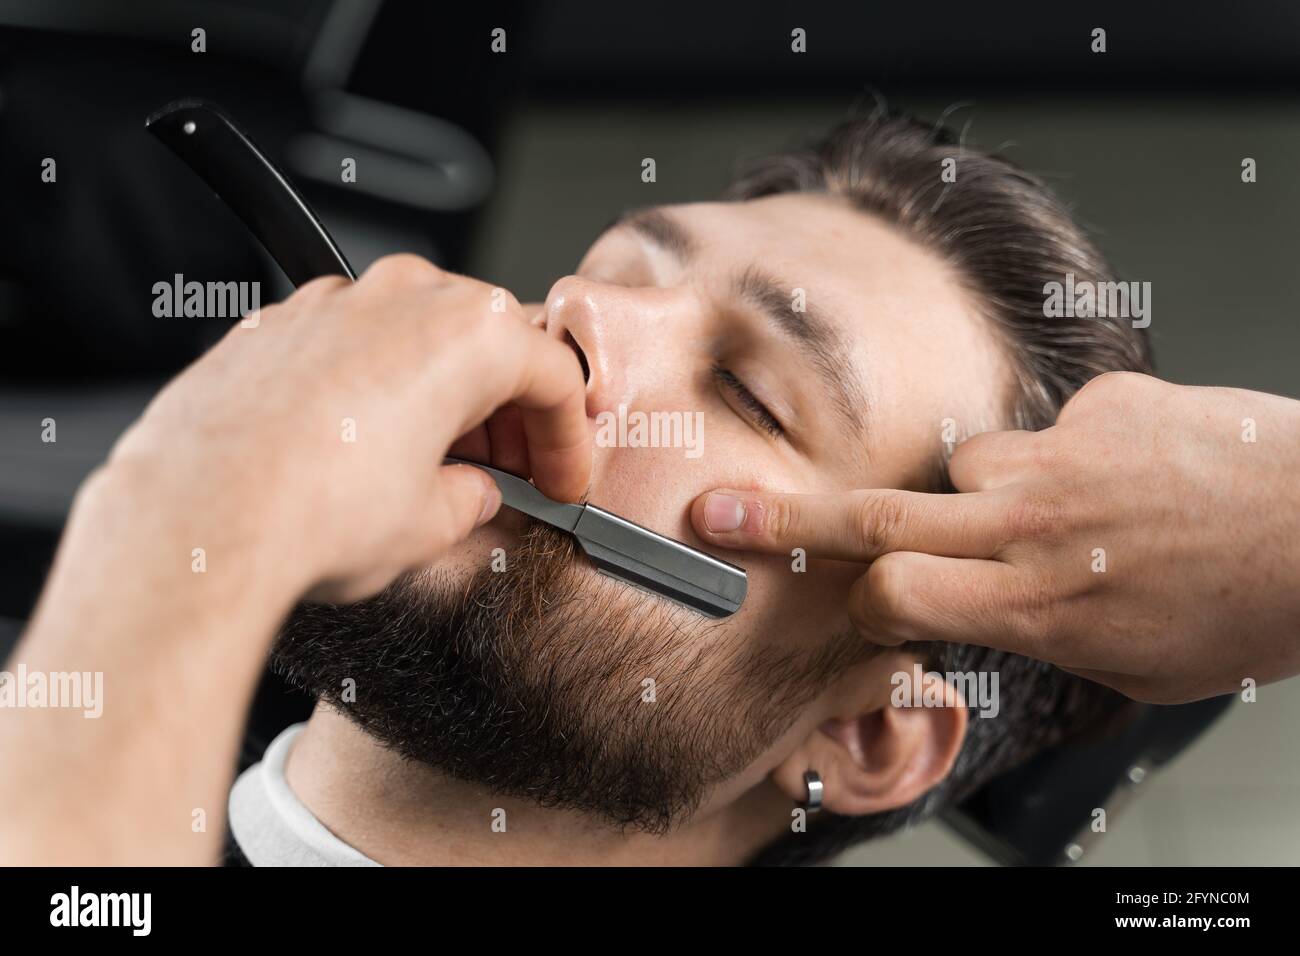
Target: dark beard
point(531, 683)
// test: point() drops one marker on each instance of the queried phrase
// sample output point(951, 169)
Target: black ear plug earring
point(813, 781)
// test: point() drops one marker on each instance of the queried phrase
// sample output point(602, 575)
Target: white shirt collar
point(273, 827)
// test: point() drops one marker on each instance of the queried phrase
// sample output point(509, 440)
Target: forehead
point(821, 242)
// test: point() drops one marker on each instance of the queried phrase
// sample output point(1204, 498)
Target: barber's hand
point(1150, 540)
point(318, 434)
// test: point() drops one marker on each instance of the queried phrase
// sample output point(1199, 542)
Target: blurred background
point(506, 165)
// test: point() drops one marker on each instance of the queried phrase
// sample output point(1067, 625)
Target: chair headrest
point(1041, 813)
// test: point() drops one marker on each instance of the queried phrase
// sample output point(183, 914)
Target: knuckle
point(1045, 453)
point(1027, 623)
point(887, 589)
point(977, 458)
point(314, 289)
point(1034, 516)
point(1032, 613)
point(403, 268)
point(780, 518)
point(1106, 387)
point(879, 522)
point(976, 445)
point(967, 453)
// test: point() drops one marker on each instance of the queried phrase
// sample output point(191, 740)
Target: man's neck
point(399, 813)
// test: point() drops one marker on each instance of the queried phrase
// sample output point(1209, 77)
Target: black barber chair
point(1041, 813)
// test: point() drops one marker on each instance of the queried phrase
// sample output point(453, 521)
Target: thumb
point(466, 498)
point(858, 525)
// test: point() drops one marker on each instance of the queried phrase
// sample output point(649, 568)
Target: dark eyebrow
point(660, 228)
point(815, 334)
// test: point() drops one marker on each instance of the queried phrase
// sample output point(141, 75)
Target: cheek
point(794, 610)
point(655, 486)
point(784, 607)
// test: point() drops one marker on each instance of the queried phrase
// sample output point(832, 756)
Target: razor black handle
point(252, 186)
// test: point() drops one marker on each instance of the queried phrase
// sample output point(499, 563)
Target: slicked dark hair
point(1005, 236)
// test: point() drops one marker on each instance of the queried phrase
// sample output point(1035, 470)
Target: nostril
point(582, 357)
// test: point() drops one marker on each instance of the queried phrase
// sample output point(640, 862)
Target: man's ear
point(873, 756)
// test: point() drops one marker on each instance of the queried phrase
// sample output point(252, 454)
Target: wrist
point(132, 519)
point(177, 645)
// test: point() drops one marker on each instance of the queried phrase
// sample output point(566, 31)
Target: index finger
point(541, 376)
point(858, 525)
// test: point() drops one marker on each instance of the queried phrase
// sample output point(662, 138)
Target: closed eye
point(756, 410)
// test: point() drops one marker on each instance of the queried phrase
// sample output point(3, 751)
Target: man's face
point(818, 350)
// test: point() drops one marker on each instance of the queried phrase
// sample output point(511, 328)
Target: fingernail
point(723, 513)
point(491, 502)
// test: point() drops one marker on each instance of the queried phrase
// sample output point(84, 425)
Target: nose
point(576, 314)
point(620, 334)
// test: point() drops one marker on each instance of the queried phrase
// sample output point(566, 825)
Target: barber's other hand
point(1150, 540)
point(309, 441)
